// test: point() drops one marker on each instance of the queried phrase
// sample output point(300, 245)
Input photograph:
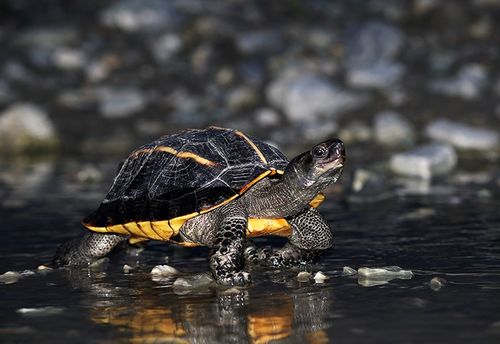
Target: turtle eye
point(320, 152)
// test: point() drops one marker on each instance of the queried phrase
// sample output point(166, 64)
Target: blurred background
point(411, 86)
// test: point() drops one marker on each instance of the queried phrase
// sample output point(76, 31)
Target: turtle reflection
point(229, 316)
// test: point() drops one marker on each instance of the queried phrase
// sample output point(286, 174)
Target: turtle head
point(320, 166)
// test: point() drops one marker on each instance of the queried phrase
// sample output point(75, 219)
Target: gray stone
point(120, 102)
point(303, 276)
point(437, 283)
point(241, 97)
point(140, 15)
point(370, 56)
point(469, 83)
point(425, 161)
point(166, 46)
point(461, 135)
point(356, 131)
point(25, 126)
point(392, 129)
point(261, 41)
point(307, 97)
point(201, 280)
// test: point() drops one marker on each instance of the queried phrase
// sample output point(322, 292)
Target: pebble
point(43, 267)
point(320, 277)
point(120, 102)
point(308, 97)
point(25, 126)
point(461, 135)
point(425, 161)
point(348, 271)
point(128, 269)
point(41, 311)
point(437, 283)
point(385, 272)
point(140, 15)
point(10, 277)
point(392, 129)
point(166, 46)
point(164, 270)
point(240, 98)
point(68, 58)
point(303, 276)
point(468, 83)
point(194, 281)
point(88, 174)
point(382, 75)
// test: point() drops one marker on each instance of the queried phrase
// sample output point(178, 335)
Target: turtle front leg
point(311, 237)
point(227, 259)
point(85, 249)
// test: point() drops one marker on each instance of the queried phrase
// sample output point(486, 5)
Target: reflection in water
point(153, 315)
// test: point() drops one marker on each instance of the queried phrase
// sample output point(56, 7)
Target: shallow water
point(452, 233)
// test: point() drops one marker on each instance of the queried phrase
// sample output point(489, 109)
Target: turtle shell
point(162, 184)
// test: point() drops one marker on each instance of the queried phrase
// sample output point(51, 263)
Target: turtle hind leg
point(85, 249)
point(227, 259)
point(256, 255)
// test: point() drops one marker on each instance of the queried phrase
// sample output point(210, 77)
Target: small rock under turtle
point(215, 187)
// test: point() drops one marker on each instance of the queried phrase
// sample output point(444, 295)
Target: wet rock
point(68, 58)
point(370, 185)
point(41, 311)
point(370, 56)
point(348, 271)
point(303, 276)
point(140, 15)
point(164, 271)
point(369, 277)
point(261, 41)
point(10, 277)
point(307, 97)
point(196, 281)
point(437, 283)
point(469, 83)
point(128, 269)
point(425, 161)
point(26, 127)
point(166, 46)
point(462, 136)
point(43, 267)
point(320, 277)
point(120, 102)
point(356, 131)
point(392, 129)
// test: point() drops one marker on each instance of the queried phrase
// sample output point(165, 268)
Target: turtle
point(215, 187)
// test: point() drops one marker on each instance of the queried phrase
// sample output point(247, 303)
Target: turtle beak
point(336, 155)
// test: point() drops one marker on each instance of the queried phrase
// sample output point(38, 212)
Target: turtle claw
point(240, 278)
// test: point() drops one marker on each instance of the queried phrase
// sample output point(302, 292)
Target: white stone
point(128, 269)
point(120, 102)
point(10, 277)
point(383, 75)
point(437, 283)
point(303, 276)
point(425, 161)
point(320, 277)
point(461, 135)
point(164, 271)
point(267, 117)
point(40, 311)
point(307, 97)
point(392, 129)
